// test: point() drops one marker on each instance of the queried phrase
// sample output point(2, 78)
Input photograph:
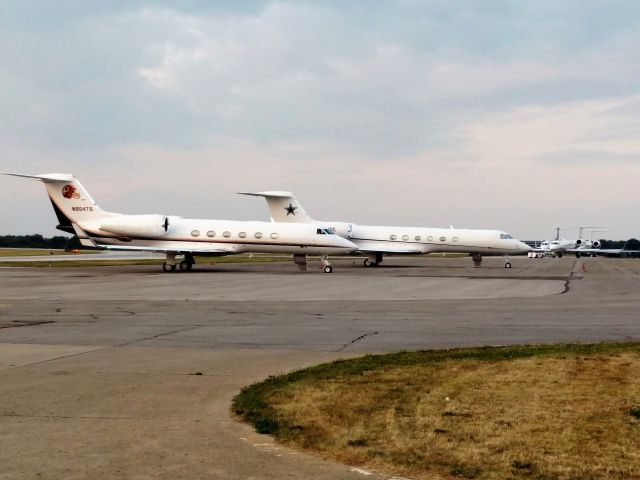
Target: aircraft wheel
point(328, 269)
point(168, 268)
point(367, 263)
point(507, 265)
point(185, 266)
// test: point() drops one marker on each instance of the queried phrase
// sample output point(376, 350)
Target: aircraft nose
point(523, 247)
point(347, 245)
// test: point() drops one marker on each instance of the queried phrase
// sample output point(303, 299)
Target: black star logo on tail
point(291, 210)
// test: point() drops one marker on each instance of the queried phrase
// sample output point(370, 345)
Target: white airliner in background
point(79, 214)
point(376, 241)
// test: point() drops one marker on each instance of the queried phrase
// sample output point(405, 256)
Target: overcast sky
point(521, 116)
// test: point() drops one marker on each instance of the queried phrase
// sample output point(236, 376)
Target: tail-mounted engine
point(137, 225)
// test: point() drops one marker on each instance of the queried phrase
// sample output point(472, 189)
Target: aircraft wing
point(606, 251)
point(603, 251)
point(203, 251)
point(372, 246)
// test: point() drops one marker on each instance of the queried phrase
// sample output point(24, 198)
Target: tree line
point(38, 241)
point(631, 244)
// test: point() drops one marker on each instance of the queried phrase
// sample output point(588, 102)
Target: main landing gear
point(185, 265)
point(373, 260)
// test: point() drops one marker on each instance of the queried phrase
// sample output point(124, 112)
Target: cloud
point(602, 127)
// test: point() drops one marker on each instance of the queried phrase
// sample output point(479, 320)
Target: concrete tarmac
point(128, 372)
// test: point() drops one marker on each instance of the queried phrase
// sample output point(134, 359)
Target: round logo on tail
point(69, 191)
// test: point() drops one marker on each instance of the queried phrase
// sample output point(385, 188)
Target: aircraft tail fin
point(71, 202)
point(283, 207)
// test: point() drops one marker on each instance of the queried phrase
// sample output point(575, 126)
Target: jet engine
point(595, 244)
point(341, 229)
point(137, 225)
point(579, 242)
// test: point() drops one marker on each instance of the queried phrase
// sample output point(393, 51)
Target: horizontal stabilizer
point(274, 194)
point(52, 177)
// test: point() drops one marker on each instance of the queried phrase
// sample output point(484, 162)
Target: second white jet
point(376, 241)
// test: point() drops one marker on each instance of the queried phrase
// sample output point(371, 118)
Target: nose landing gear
point(326, 264)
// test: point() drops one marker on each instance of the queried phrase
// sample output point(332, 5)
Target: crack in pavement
point(356, 340)
point(153, 337)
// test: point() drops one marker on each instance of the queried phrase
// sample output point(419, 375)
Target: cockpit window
point(504, 236)
point(324, 231)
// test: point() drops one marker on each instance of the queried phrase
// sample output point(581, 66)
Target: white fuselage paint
point(200, 235)
point(370, 239)
point(421, 240)
point(78, 212)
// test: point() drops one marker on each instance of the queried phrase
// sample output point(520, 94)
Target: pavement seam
point(356, 340)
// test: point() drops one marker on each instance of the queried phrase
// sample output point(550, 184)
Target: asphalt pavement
point(129, 372)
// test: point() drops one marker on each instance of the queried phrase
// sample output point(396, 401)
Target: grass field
point(37, 252)
point(532, 412)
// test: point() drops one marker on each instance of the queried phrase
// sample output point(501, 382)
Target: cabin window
point(405, 237)
point(258, 234)
point(226, 234)
point(455, 239)
point(418, 238)
point(274, 236)
point(195, 233)
point(393, 237)
point(242, 234)
point(430, 238)
point(443, 239)
point(211, 234)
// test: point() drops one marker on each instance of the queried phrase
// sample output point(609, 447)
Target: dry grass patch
point(557, 412)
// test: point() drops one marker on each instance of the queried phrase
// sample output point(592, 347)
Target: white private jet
point(79, 214)
point(559, 246)
point(376, 241)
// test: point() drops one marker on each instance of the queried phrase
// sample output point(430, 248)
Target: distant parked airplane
point(376, 241)
point(579, 246)
point(559, 246)
point(79, 214)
